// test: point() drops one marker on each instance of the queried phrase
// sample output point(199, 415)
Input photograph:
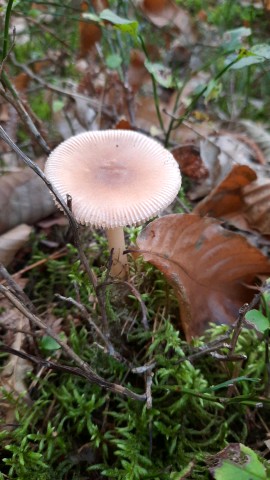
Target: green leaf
point(256, 54)
point(161, 74)
point(243, 464)
point(57, 105)
point(226, 384)
point(233, 38)
point(113, 61)
point(262, 50)
point(213, 90)
point(247, 62)
point(123, 24)
point(259, 321)
point(49, 344)
point(92, 17)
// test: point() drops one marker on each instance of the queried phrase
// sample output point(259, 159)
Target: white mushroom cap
point(115, 177)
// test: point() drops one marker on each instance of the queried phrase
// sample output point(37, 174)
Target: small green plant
point(261, 318)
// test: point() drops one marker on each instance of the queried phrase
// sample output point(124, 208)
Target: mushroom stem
point(116, 240)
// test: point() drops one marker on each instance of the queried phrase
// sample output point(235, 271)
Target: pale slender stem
point(116, 240)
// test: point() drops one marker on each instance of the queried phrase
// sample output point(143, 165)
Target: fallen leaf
point(12, 241)
point(137, 74)
point(12, 377)
point(189, 160)
point(226, 198)
point(219, 153)
point(89, 32)
point(259, 135)
point(123, 124)
point(208, 266)
point(240, 199)
point(166, 13)
point(24, 198)
point(256, 204)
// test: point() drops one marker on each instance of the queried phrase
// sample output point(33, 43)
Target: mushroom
point(115, 178)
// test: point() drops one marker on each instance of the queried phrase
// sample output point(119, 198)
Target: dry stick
point(87, 317)
point(149, 381)
point(43, 27)
point(110, 348)
point(13, 98)
point(236, 332)
point(54, 256)
point(95, 104)
point(73, 224)
point(16, 288)
point(84, 369)
point(134, 291)
point(137, 295)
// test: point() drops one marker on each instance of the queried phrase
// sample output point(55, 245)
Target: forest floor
point(165, 373)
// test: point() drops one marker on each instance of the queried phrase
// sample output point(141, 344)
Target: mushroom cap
point(114, 177)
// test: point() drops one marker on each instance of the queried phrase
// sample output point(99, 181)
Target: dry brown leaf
point(14, 372)
point(260, 136)
point(208, 266)
point(226, 197)
point(24, 198)
point(166, 13)
point(12, 241)
point(89, 32)
point(256, 201)
point(219, 153)
point(190, 162)
point(137, 74)
point(123, 124)
point(241, 199)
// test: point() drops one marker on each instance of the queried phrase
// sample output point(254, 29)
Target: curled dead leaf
point(240, 198)
point(226, 197)
point(190, 162)
point(220, 153)
point(208, 266)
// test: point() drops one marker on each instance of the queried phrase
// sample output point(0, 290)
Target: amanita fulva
point(115, 178)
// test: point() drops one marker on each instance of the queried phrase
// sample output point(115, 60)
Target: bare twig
point(148, 380)
point(10, 94)
point(89, 320)
point(84, 368)
point(73, 223)
point(16, 288)
point(93, 103)
point(45, 28)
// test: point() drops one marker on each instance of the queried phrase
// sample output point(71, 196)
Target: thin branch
point(16, 288)
point(73, 223)
point(13, 98)
point(88, 318)
point(84, 368)
point(95, 104)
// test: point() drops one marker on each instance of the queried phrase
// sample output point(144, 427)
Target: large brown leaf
point(208, 266)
